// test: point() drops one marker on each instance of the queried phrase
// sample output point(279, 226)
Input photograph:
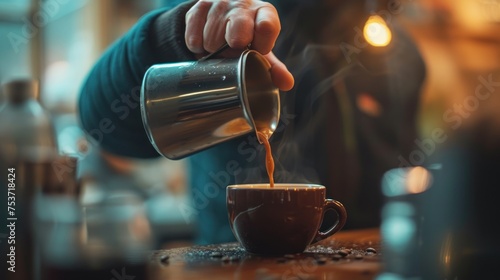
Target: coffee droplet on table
point(269, 157)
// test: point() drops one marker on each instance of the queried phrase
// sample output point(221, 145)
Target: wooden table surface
point(349, 254)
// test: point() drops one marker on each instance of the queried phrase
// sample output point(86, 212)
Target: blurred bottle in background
point(26, 138)
point(26, 129)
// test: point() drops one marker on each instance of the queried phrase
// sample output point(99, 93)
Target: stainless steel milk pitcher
point(190, 106)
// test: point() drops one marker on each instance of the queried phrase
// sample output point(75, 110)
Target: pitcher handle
point(218, 51)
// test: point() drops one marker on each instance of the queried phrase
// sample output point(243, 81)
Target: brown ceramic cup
point(284, 219)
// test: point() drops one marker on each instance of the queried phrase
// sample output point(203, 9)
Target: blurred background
point(58, 41)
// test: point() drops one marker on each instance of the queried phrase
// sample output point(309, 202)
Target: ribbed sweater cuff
point(167, 34)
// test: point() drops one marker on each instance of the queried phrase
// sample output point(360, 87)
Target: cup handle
point(339, 208)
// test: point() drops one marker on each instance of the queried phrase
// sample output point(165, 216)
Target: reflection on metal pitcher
point(187, 107)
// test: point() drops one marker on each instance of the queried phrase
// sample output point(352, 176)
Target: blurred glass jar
point(441, 222)
point(106, 240)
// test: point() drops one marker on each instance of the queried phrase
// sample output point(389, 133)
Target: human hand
point(239, 23)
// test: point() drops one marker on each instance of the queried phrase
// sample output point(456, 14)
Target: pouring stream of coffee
point(264, 139)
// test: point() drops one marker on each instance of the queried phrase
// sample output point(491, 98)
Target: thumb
point(282, 78)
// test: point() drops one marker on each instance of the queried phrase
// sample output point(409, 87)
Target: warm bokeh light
point(419, 180)
point(368, 104)
point(403, 181)
point(376, 31)
point(446, 253)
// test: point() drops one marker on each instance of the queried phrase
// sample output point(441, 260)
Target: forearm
point(109, 105)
